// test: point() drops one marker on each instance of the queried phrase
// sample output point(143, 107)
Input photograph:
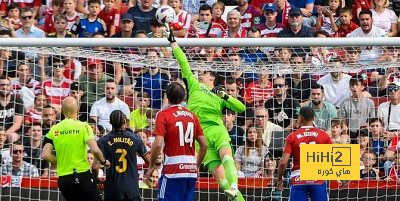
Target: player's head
point(306, 116)
point(210, 79)
point(175, 93)
point(117, 120)
point(70, 107)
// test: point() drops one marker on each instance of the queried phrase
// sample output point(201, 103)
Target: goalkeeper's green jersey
point(201, 101)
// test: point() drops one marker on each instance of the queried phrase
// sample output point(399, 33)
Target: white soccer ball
point(165, 14)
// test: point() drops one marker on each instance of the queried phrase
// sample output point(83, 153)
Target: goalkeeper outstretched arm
point(229, 102)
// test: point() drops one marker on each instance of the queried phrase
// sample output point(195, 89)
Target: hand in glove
point(171, 37)
point(219, 91)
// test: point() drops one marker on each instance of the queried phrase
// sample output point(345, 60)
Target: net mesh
point(246, 67)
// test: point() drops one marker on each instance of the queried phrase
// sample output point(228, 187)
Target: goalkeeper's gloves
point(219, 91)
point(171, 37)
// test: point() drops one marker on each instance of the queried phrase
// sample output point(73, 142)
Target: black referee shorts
point(85, 190)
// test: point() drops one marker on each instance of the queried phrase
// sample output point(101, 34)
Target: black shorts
point(126, 199)
point(85, 190)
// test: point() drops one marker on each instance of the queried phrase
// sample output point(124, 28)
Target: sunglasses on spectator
point(17, 151)
point(27, 17)
point(279, 85)
point(58, 65)
point(390, 89)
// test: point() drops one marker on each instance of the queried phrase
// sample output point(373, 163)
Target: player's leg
point(171, 189)
point(298, 193)
point(88, 189)
point(66, 184)
point(190, 184)
point(319, 192)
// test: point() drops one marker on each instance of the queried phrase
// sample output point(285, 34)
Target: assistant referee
point(70, 139)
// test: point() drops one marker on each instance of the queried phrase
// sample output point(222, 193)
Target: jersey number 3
point(122, 159)
point(185, 137)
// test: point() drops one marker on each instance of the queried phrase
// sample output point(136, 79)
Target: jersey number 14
point(187, 136)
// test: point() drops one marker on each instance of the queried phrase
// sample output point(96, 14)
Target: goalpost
point(130, 55)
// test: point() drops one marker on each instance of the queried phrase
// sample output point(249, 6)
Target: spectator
point(296, 27)
point(33, 149)
point(300, 84)
point(346, 24)
point(284, 55)
point(336, 132)
point(84, 109)
point(4, 147)
point(110, 15)
point(270, 167)
point(383, 17)
point(90, 158)
point(11, 110)
point(28, 30)
point(194, 7)
point(71, 14)
point(389, 111)
point(363, 140)
point(236, 133)
point(367, 29)
point(369, 172)
point(102, 108)
point(25, 82)
point(13, 14)
point(125, 27)
point(73, 68)
point(153, 80)
point(234, 29)
point(393, 174)
point(56, 88)
point(282, 109)
point(325, 112)
point(93, 84)
point(18, 167)
point(306, 7)
point(48, 118)
point(182, 20)
point(259, 91)
point(254, 54)
point(158, 30)
point(251, 16)
point(60, 27)
point(200, 29)
point(33, 6)
point(232, 88)
point(151, 121)
point(34, 114)
point(145, 138)
point(262, 122)
point(49, 22)
point(328, 17)
point(89, 24)
point(270, 28)
point(336, 86)
point(283, 7)
point(218, 8)
point(250, 157)
point(357, 109)
point(142, 15)
point(138, 118)
point(378, 140)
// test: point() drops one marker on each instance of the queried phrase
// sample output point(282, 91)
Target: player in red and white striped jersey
point(25, 80)
point(251, 16)
point(57, 88)
point(181, 23)
point(199, 29)
point(306, 134)
point(177, 128)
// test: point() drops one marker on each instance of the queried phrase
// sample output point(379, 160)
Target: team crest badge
point(257, 20)
point(56, 133)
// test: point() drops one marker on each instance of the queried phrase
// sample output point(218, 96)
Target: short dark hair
point(307, 113)
point(5, 31)
point(254, 29)
point(365, 12)
point(227, 111)
point(26, 9)
point(317, 86)
point(375, 119)
point(230, 80)
point(94, 1)
point(346, 9)
point(215, 75)
point(13, 6)
point(57, 59)
point(356, 79)
point(155, 23)
point(152, 113)
point(143, 95)
point(205, 7)
point(141, 31)
point(321, 32)
point(175, 93)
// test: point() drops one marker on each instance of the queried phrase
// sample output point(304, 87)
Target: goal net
point(273, 78)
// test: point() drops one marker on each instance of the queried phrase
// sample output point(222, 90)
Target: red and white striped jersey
point(271, 33)
point(33, 115)
point(221, 22)
point(71, 20)
point(254, 90)
point(215, 31)
point(242, 33)
point(33, 85)
point(56, 93)
point(73, 70)
point(180, 128)
point(27, 3)
point(183, 19)
point(251, 17)
point(394, 76)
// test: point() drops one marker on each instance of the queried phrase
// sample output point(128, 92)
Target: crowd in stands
point(355, 106)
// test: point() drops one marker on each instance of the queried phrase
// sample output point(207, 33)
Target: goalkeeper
point(207, 100)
